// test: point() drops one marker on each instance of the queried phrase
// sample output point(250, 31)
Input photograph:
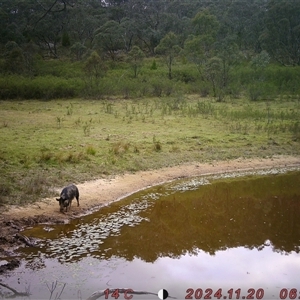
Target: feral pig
point(67, 195)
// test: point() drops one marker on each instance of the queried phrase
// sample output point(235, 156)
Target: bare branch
point(50, 10)
point(58, 297)
point(16, 293)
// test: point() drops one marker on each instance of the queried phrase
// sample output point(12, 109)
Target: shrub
point(153, 65)
point(157, 146)
point(157, 88)
point(48, 87)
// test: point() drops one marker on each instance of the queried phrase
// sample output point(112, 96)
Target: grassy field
point(47, 144)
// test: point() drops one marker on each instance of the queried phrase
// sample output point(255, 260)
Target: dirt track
point(94, 194)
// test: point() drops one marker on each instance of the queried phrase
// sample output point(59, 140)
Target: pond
point(230, 236)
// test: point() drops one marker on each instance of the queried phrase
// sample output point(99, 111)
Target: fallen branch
point(25, 240)
point(101, 293)
point(16, 293)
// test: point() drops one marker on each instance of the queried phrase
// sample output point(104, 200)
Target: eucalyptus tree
point(205, 23)
point(40, 21)
point(113, 37)
point(227, 51)
point(135, 59)
point(260, 61)
point(169, 49)
point(50, 23)
point(257, 86)
point(15, 20)
point(94, 68)
point(243, 20)
point(128, 33)
point(83, 20)
point(171, 22)
point(281, 35)
point(184, 9)
point(214, 58)
point(199, 46)
point(109, 38)
point(48, 33)
point(116, 10)
point(148, 16)
point(78, 49)
point(14, 58)
point(213, 74)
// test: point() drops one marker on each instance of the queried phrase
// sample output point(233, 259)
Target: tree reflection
point(225, 214)
point(253, 212)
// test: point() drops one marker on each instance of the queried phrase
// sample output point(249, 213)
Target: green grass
point(51, 143)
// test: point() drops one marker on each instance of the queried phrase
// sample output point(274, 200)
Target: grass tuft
point(120, 148)
point(90, 150)
point(92, 141)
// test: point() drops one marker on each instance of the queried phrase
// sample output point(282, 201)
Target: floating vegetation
point(101, 231)
point(190, 185)
point(228, 223)
point(87, 238)
point(195, 183)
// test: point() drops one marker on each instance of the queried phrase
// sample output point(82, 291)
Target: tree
point(65, 40)
point(135, 58)
point(83, 20)
point(281, 35)
point(14, 58)
point(244, 21)
point(128, 32)
point(94, 68)
point(199, 46)
point(148, 17)
point(171, 22)
point(228, 52)
point(109, 38)
point(213, 73)
point(41, 22)
point(169, 48)
point(198, 50)
point(48, 34)
point(78, 49)
point(257, 86)
point(30, 51)
point(260, 61)
point(205, 24)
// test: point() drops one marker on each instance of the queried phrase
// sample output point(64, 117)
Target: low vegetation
point(46, 144)
point(66, 79)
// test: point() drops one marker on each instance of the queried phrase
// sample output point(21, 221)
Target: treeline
point(220, 47)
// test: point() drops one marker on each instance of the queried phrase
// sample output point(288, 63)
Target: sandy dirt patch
point(94, 194)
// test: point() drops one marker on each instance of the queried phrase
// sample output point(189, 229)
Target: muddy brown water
point(230, 236)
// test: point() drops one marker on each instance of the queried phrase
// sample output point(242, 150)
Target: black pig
point(67, 195)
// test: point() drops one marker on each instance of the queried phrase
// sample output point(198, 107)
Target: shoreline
point(97, 193)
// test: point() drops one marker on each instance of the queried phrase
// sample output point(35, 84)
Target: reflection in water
point(178, 218)
point(211, 230)
point(242, 212)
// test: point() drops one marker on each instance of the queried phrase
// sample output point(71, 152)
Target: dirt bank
point(94, 194)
